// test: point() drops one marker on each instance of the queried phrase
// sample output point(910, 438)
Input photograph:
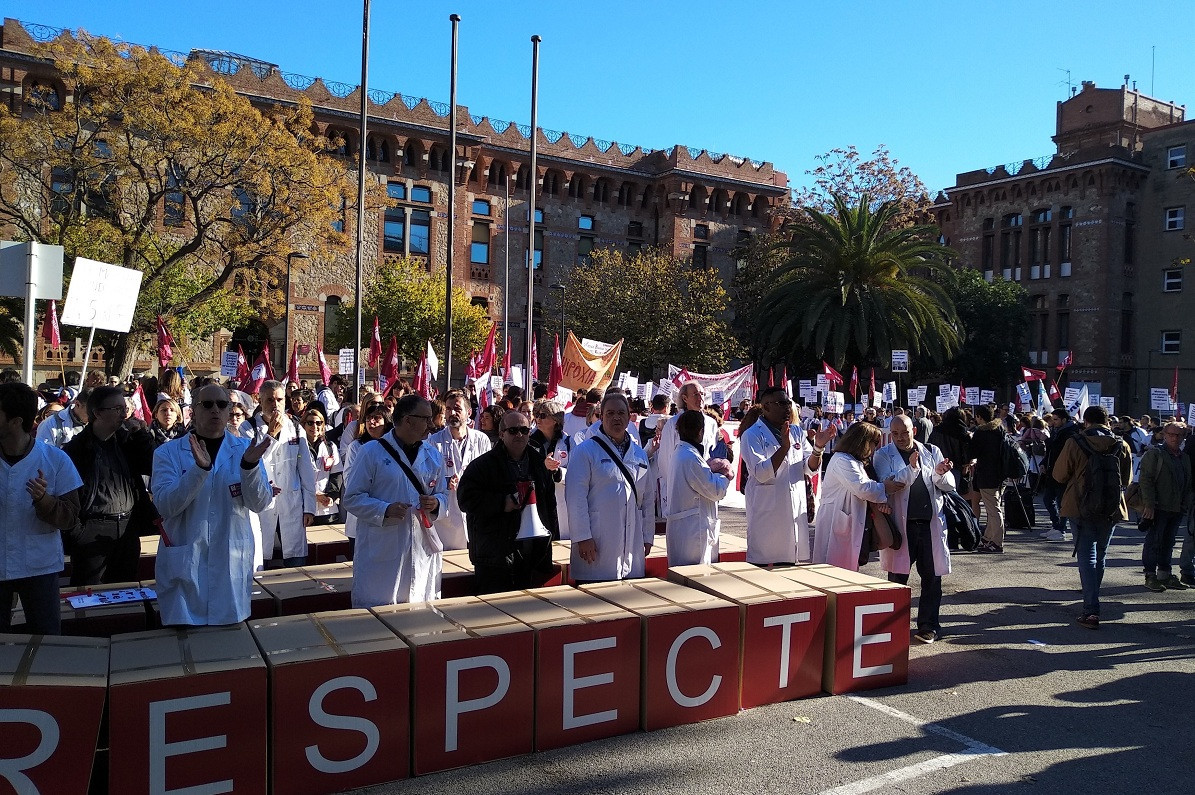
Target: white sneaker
point(1055, 535)
point(1045, 533)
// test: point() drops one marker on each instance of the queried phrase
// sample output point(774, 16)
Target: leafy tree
point(409, 303)
point(666, 310)
point(164, 168)
point(855, 287)
point(843, 172)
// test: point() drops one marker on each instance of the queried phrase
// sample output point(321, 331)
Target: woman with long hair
point(373, 425)
point(167, 422)
point(329, 479)
point(846, 490)
point(490, 421)
point(549, 438)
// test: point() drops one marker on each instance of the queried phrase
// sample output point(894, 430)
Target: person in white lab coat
point(918, 514)
point(373, 426)
point(663, 452)
point(292, 475)
point(846, 491)
point(205, 485)
point(329, 477)
point(459, 445)
point(397, 487)
point(777, 458)
point(609, 515)
point(695, 489)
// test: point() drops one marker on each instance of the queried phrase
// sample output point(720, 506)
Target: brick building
point(592, 193)
point(1085, 232)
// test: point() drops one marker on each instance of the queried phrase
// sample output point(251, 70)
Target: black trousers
point(921, 555)
point(104, 551)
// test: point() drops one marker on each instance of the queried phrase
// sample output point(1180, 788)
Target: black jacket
point(1054, 447)
point(482, 493)
point(987, 449)
point(138, 449)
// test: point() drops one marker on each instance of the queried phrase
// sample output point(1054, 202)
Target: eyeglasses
point(313, 423)
point(211, 404)
point(425, 418)
point(375, 405)
point(519, 430)
point(541, 415)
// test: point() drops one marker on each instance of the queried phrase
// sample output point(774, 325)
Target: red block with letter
point(52, 692)
point(690, 650)
point(473, 681)
point(340, 701)
point(783, 628)
point(867, 627)
point(587, 664)
point(187, 708)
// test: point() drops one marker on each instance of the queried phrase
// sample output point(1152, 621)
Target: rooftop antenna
point(1153, 60)
point(1069, 85)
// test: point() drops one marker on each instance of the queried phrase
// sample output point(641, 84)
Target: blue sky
point(947, 86)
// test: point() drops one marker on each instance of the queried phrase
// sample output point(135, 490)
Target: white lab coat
point(59, 428)
point(888, 462)
point(846, 488)
point(290, 469)
point(30, 547)
point(457, 455)
point(561, 453)
point(326, 461)
point(669, 442)
point(693, 524)
point(205, 575)
point(394, 561)
point(604, 508)
point(347, 457)
point(777, 517)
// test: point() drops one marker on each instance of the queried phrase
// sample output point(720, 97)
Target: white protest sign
point(835, 402)
point(914, 396)
point(900, 361)
point(516, 375)
point(25, 264)
point(877, 400)
point(346, 360)
point(808, 395)
point(806, 413)
point(972, 395)
point(101, 296)
point(1023, 393)
point(888, 395)
point(1190, 412)
point(597, 348)
point(1069, 394)
point(622, 380)
point(921, 392)
point(944, 402)
point(805, 384)
point(1108, 404)
point(1080, 403)
point(632, 384)
point(496, 384)
point(987, 396)
point(228, 363)
point(564, 395)
point(945, 389)
point(823, 383)
point(641, 390)
point(1159, 399)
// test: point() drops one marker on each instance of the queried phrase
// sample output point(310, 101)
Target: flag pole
point(455, 20)
point(531, 206)
point(361, 194)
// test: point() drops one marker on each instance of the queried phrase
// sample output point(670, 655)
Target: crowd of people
point(230, 482)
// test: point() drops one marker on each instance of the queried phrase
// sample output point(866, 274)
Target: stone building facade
point(590, 193)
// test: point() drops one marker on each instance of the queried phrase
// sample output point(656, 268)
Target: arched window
point(44, 96)
point(331, 321)
point(698, 198)
point(413, 152)
point(576, 186)
point(601, 191)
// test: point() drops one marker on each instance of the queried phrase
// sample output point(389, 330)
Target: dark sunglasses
point(541, 415)
point(520, 430)
point(313, 423)
point(209, 404)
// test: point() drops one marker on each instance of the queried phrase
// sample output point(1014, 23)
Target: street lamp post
point(1149, 376)
point(291, 257)
point(563, 288)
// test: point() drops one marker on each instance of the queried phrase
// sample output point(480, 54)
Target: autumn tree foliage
point(160, 166)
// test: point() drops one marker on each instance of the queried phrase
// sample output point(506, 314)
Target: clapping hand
point(256, 450)
point(944, 466)
point(203, 459)
point(824, 437)
point(720, 466)
point(37, 487)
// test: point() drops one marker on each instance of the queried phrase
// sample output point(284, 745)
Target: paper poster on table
point(972, 395)
point(345, 359)
point(228, 363)
point(900, 361)
point(1108, 404)
point(987, 396)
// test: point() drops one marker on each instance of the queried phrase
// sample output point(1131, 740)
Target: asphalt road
point(1015, 698)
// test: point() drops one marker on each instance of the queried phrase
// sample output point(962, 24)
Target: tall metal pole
point(358, 296)
point(506, 279)
point(531, 209)
point(455, 19)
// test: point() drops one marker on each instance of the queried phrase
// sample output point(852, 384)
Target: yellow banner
point(582, 370)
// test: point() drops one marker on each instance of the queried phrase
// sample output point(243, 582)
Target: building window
point(700, 256)
point(421, 193)
point(1011, 220)
point(701, 231)
point(1064, 242)
point(338, 223)
point(1174, 218)
point(1176, 156)
point(331, 318)
point(1042, 216)
point(479, 251)
point(635, 229)
point(1172, 280)
point(481, 207)
point(1064, 331)
point(539, 216)
point(44, 97)
point(62, 191)
point(173, 203)
point(985, 255)
point(1172, 341)
point(395, 222)
point(421, 224)
point(539, 248)
point(585, 222)
point(584, 247)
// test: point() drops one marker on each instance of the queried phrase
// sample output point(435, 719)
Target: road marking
point(974, 749)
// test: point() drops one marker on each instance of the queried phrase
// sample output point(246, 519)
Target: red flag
point(165, 344)
point(681, 378)
point(1029, 374)
point(262, 370)
point(534, 362)
point(424, 380)
point(489, 356)
point(375, 343)
point(471, 368)
point(556, 372)
point(1174, 388)
point(1054, 394)
point(855, 384)
point(325, 372)
point(962, 393)
point(143, 412)
point(832, 375)
point(292, 372)
point(772, 376)
point(506, 363)
point(389, 373)
point(1065, 363)
point(49, 329)
point(242, 376)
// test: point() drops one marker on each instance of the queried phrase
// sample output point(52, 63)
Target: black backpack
point(1013, 461)
point(1101, 483)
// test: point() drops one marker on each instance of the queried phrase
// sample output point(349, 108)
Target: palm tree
point(855, 287)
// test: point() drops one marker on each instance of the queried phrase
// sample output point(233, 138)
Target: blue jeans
point(1091, 549)
point(1051, 495)
point(39, 600)
point(1159, 543)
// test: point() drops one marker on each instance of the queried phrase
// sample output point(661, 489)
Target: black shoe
point(1187, 579)
point(1154, 584)
point(926, 636)
point(1089, 621)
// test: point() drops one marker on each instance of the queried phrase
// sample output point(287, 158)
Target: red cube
point(187, 708)
point(327, 544)
point(340, 696)
point(587, 664)
point(783, 628)
point(473, 681)
point(52, 692)
point(295, 592)
point(867, 627)
point(690, 650)
point(336, 580)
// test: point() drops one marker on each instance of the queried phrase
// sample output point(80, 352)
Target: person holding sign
point(205, 485)
point(396, 487)
point(777, 459)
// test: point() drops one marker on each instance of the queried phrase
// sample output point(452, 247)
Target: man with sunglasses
point(461, 446)
point(397, 487)
point(494, 492)
point(205, 486)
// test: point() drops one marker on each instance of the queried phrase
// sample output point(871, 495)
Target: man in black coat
point(986, 449)
point(112, 457)
point(1062, 427)
point(493, 492)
